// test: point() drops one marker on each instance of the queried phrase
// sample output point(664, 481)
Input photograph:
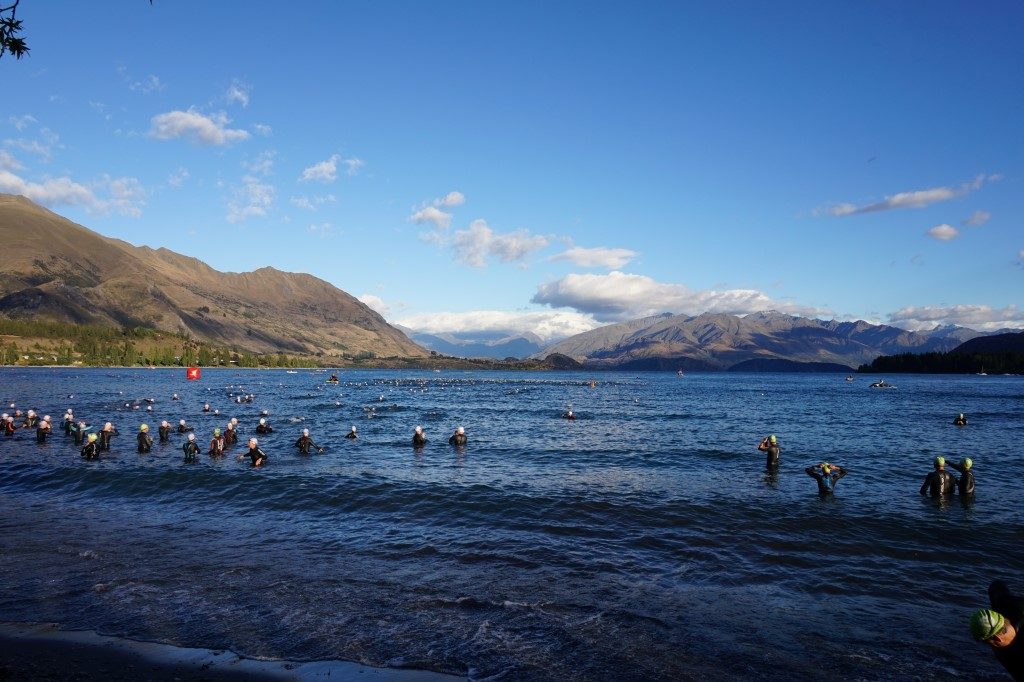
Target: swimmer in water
point(826, 475)
point(263, 427)
point(256, 456)
point(164, 431)
point(92, 447)
point(352, 433)
point(183, 427)
point(230, 435)
point(78, 432)
point(206, 407)
point(144, 439)
point(458, 439)
point(304, 443)
point(216, 445)
point(418, 438)
point(31, 420)
point(570, 415)
point(190, 448)
point(965, 484)
point(960, 420)
point(770, 446)
point(175, 397)
point(8, 426)
point(43, 430)
point(940, 482)
point(1000, 627)
point(68, 420)
point(106, 434)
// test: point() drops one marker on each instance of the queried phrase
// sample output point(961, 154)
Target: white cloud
point(192, 125)
point(8, 162)
point(123, 195)
point(375, 303)
point(178, 177)
point(253, 199)
point(599, 257)
point(147, 85)
point(978, 218)
point(323, 229)
point(473, 245)
point(914, 199)
point(312, 203)
point(547, 324)
point(353, 165)
point(430, 214)
point(238, 93)
point(943, 232)
point(263, 129)
point(324, 171)
point(42, 147)
point(619, 296)
point(263, 164)
point(21, 122)
point(980, 317)
point(451, 199)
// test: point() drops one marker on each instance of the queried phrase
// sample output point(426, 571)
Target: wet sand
point(44, 652)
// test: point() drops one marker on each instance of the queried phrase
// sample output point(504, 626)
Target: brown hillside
point(53, 269)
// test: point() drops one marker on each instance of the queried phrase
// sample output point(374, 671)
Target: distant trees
point(1005, 362)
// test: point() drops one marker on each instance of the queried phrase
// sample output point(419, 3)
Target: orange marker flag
point(192, 374)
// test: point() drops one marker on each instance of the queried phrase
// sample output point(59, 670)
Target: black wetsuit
point(30, 422)
point(8, 428)
point(78, 431)
point(91, 450)
point(264, 429)
point(939, 483)
point(965, 484)
point(191, 450)
point(771, 451)
point(165, 433)
point(826, 483)
point(257, 456)
point(1012, 608)
point(105, 437)
point(458, 440)
point(145, 442)
point(216, 447)
point(184, 428)
point(351, 434)
point(418, 440)
point(41, 433)
point(304, 443)
point(230, 437)
point(960, 422)
point(67, 425)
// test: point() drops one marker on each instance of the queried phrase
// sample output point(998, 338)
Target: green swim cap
point(940, 461)
point(144, 427)
point(771, 438)
point(92, 437)
point(967, 463)
point(985, 623)
point(216, 432)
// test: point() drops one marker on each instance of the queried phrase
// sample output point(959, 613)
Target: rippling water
point(641, 541)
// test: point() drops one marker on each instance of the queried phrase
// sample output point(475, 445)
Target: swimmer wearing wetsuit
point(1000, 627)
point(183, 427)
point(8, 426)
point(92, 447)
point(458, 439)
point(165, 432)
point(826, 475)
point(352, 433)
point(965, 484)
point(770, 446)
point(263, 428)
point(190, 448)
point(144, 439)
point(940, 482)
point(106, 434)
point(256, 456)
point(43, 430)
point(304, 443)
point(960, 420)
point(230, 435)
point(216, 445)
point(78, 431)
point(418, 438)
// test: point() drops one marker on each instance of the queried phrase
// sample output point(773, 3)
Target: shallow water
point(641, 541)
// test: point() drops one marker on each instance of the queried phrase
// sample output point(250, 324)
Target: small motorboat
point(881, 383)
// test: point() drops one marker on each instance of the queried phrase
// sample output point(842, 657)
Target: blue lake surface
point(642, 541)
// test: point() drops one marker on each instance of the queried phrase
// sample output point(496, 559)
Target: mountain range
point(759, 341)
point(56, 270)
point(494, 345)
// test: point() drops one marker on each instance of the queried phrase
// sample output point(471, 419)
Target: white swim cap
point(252, 442)
point(419, 429)
point(191, 436)
point(353, 429)
point(461, 430)
point(181, 421)
point(108, 425)
point(46, 418)
point(305, 432)
point(263, 421)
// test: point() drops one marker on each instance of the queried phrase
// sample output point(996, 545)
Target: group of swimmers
point(938, 483)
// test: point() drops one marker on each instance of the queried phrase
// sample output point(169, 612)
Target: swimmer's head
point(940, 462)
point(216, 432)
point(164, 423)
point(31, 413)
point(985, 624)
point(144, 427)
point(263, 421)
point(961, 415)
point(253, 442)
point(181, 422)
point(207, 406)
point(46, 418)
point(92, 437)
point(419, 429)
point(231, 426)
point(772, 439)
point(460, 431)
point(234, 420)
point(967, 463)
point(108, 426)
point(191, 436)
point(353, 429)
point(826, 468)
point(305, 432)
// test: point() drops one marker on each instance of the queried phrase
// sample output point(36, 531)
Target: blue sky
point(546, 167)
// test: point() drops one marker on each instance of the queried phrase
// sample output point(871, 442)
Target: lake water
point(642, 541)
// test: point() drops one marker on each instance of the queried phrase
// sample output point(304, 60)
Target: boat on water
point(881, 383)
point(849, 378)
point(983, 373)
point(679, 373)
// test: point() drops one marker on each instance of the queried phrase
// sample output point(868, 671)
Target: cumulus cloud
point(8, 162)
point(21, 122)
point(978, 218)
point(473, 245)
point(451, 199)
point(199, 128)
point(238, 93)
point(432, 214)
point(145, 85)
point(980, 317)
point(943, 232)
point(41, 146)
point(599, 257)
point(324, 171)
point(178, 177)
point(914, 199)
point(353, 165)
point(263, 129)
point(547, 324)
point(619, 296)
point(263, 164)
point(375, 303)
point(123, 195)
point(252, 199)
point(312, 203)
